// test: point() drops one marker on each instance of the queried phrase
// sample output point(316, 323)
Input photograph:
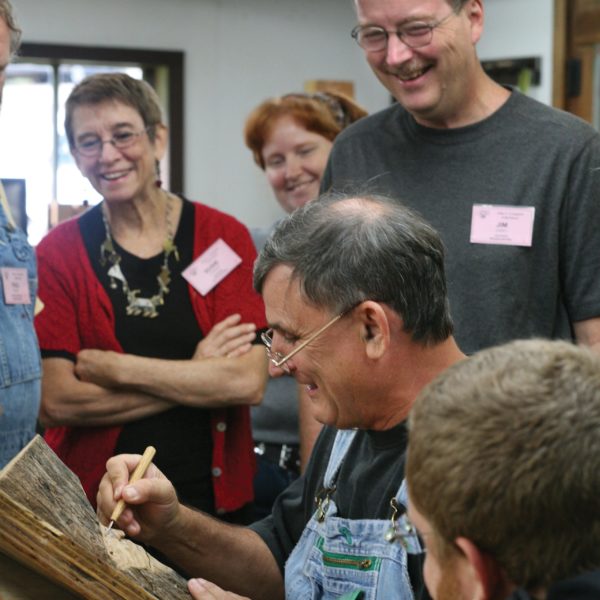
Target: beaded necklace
point(139, 306)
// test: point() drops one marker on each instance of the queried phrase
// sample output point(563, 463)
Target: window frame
point(149, 60)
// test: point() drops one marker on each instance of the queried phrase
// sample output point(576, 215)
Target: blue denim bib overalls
point(337, 557)
point(20, 364)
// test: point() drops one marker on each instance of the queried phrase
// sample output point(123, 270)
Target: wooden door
point(583, 57)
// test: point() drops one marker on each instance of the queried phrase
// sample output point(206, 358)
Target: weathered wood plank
point(49, 526)
point(18, 582)
point(39, 480)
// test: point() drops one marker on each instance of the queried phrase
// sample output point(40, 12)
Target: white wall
point(519, 29)
point(240, 51)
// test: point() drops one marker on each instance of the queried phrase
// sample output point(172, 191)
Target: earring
point(158, 182)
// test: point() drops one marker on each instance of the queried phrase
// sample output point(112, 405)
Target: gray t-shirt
point(275, 419)
point(525, 154)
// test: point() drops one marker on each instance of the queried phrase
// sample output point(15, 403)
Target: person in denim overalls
point(355, 294)
point(337, 556)
point(20, 366)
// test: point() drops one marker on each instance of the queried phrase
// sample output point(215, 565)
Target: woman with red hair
point(290, 138)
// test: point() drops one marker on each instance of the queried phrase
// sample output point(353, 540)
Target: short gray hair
point(114, 87)
point(6, 13)
point(344, 249)
point(455, 4)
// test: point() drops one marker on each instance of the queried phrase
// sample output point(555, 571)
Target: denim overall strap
point(402, 495)
point(411, 541)
point(5, 222)
point(342, 442)
point(336, 557)
point(20, 365)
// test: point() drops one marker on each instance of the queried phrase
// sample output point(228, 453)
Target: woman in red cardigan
point(134, 353)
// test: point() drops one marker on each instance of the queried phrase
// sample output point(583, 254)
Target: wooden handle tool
point(138, 473)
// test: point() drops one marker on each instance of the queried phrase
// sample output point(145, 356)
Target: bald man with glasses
point(512, 185)
point(355, 297)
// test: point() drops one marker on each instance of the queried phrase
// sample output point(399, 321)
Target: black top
point(582, 587)
point(369, 478)
point(181, 435)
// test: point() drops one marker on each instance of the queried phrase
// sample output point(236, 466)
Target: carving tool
point(138, 473)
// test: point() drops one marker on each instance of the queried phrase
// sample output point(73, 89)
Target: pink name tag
point(16, 285)
point(211, 267)
point(505, 225)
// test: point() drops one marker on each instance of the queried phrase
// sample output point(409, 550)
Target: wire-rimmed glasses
point(374, 38)
point(91, 145)
point(278, 359)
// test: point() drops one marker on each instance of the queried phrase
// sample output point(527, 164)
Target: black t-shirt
point(181, 435)
point(582, 587)
point(369, 478)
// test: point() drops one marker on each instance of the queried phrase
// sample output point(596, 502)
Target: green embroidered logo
point(347, 535)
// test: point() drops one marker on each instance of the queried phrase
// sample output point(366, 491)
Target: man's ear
point(375, 328)
point(474, 11)
point(486, 577)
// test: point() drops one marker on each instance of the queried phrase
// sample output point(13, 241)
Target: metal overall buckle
point(322, 499)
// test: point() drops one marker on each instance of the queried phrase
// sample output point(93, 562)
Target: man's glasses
point(373, 38)
point(91, 145)
point(278, 359)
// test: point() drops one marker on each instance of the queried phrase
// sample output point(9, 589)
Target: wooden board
point(18, 582)
point(49, 527)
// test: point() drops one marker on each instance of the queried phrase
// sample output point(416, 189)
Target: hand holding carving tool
point(138, 473)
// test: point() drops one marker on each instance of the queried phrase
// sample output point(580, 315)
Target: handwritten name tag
point(211, 267)
point(504, 225)
point(16, 285)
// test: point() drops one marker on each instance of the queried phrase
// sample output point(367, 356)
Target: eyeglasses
point(278, 359)
point(373, 38)
point(91, 145)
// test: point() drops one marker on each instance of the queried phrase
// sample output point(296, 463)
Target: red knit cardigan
point(78, 314)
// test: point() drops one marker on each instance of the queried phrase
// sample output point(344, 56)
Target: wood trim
point(559, 57)
point(147, 58)
point(582, 105)
point(585, 22)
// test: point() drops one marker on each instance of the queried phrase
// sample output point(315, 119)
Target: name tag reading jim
point(15, 283)
point(211, 267)
point(504, 225)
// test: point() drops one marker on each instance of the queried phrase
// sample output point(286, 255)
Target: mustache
point(407, 70)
